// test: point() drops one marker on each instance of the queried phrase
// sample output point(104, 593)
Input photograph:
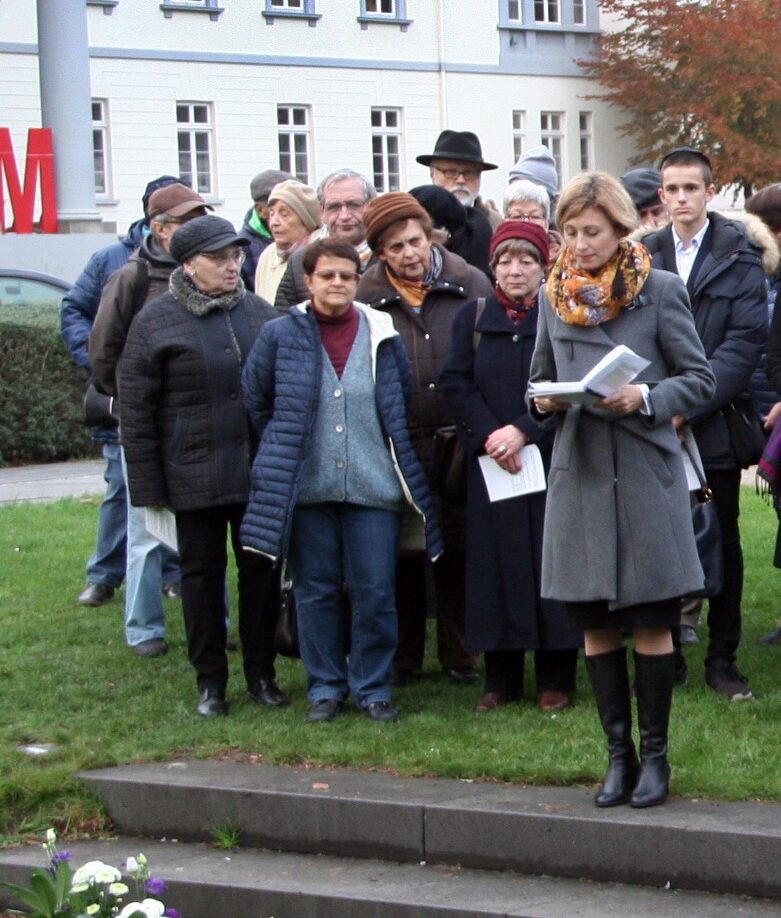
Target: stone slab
point(208, 883)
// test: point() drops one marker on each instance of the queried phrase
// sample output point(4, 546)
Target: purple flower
point(172, 913)
point(155, 886)
point(63, 856)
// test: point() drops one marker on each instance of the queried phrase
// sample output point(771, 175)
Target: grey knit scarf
point(196, 301)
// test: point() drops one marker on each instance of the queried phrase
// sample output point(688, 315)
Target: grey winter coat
point(618, 520)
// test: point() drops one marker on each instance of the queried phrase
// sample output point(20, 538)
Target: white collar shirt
point(685, 255)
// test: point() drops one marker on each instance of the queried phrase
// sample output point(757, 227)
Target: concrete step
point(687, 844)
point(206, 883)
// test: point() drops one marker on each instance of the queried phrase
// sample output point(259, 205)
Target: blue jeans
point(107, 564)
point(146, 558)
point(333, 544)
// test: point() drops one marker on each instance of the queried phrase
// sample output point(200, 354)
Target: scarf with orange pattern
point(580, 298)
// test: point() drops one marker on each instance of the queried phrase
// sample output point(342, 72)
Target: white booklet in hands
point(161, 523)
point(613, 371)
point(502, 485)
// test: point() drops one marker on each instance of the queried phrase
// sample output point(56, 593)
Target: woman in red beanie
point(485, 381)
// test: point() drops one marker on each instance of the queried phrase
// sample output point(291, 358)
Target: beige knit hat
point(301, 199)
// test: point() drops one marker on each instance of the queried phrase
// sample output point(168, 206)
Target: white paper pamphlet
point(161, 523)
point(691, 455)
point(617, 368)
point(502, 485)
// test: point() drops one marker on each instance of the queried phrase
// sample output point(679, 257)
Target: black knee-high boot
point(610, 680)
point(654, 676)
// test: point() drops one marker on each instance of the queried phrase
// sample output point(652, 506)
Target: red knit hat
point(521, 229)
point(390, 208)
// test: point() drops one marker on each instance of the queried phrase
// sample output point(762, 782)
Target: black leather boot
point(610, 680)
point(654, 677)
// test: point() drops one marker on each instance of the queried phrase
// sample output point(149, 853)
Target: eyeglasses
point(529, 218)
point(224, 259)
point(353, 207)
point(349, 277)
point(451, 174)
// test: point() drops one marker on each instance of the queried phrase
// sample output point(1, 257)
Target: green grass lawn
point(66, 677)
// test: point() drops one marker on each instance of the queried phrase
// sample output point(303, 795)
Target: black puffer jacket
point(729, 305)
point(184, 425)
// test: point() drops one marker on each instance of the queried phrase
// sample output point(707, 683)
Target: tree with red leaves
point(705, 73)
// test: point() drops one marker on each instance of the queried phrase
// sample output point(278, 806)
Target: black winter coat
point(486, 389)
point(257, 245)
point(729, 304)
point(185, 429)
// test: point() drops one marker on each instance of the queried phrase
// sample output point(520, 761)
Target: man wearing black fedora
point(457, 165)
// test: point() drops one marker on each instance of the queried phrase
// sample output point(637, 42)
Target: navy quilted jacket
point(281, 383)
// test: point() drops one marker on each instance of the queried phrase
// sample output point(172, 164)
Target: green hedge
point(41, 389)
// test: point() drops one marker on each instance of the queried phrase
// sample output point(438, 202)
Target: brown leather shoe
point(551, 700)
point(489, 701)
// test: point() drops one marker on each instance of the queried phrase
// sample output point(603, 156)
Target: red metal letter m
point(39, 164)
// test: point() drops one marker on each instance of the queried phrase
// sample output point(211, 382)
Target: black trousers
point(202, 536)
point(411, 606)
point(724, 615)
point(553, 670)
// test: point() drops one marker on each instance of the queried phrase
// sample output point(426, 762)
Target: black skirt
point(596, 616)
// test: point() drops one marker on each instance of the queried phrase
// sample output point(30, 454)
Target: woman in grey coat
point(618, 544)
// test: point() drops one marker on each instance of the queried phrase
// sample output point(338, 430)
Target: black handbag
point(707, 534)
point(746, 437)
point(286, 633)
point(100, 410)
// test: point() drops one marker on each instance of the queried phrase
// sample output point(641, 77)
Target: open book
point(613, 371)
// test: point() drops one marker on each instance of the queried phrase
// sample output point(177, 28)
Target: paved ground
point(75, 479)
point(51, 481)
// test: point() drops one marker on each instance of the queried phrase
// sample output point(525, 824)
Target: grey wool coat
point(618, 520)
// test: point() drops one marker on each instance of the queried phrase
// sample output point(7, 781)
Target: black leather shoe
point(463, 674)
point(212, 703)
point(266, 691)
point(95, 594)
point(154, 647)
point(381, 711)
point(324, 709)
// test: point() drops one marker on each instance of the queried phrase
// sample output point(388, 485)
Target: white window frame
point(579, 12)
point(101, 127)
point(191, 134)
point(519, 132)
point(392, 13)
point(169, 7)
point(552, 136)
point(515, 10)
point(386, 136)
point(550, 9)
point(293, 134)
point(586, 132)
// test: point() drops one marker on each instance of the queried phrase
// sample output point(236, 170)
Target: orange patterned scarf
point(580, 298)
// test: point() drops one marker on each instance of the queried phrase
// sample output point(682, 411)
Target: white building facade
point(218, 90)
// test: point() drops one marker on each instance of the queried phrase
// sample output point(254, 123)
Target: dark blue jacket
point(80, 304)
point(256, 247)
point(281, 382)
point(729, 304)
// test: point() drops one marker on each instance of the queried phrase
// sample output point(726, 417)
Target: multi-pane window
point(584, 123)
point(386, 148)
point(519, 133)
point(552, 135)
point(194, 139)
point(295, 5)
point(546, 10)
point(294, 135)
point(514, 10)
point(379, 7)
point(100, 145)
point(579, 12)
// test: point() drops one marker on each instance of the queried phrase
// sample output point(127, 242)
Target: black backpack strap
point(478, 312)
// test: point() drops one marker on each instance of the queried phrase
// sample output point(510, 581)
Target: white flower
point(51, 836)
point(132, 866)
point(93, 909)
point(107, 874)
point(96, 872)
point(79, 887)
point(142, 860)
point(149, 908)
point(118, 889)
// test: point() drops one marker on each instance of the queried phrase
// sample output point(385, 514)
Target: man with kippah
point(143, 278)
point(106, 567)
point(421, 286)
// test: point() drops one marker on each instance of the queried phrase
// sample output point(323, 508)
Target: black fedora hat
point(461, 146)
